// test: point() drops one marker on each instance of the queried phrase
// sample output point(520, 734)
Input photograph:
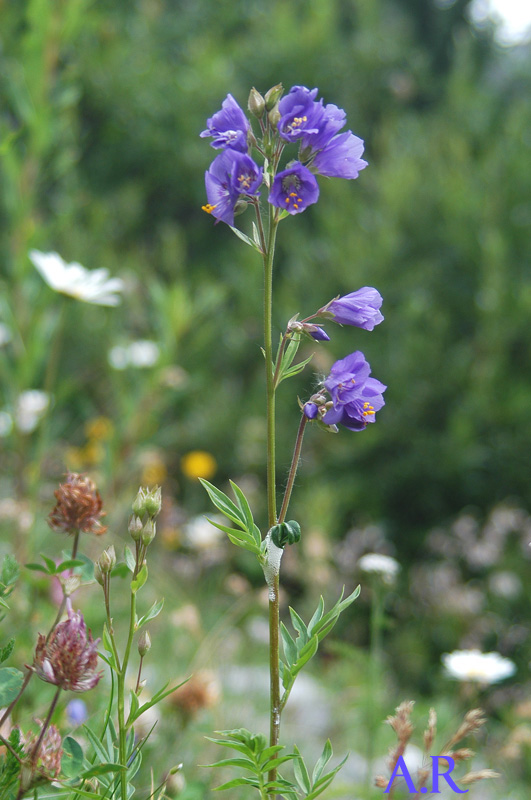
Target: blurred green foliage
point(101, 105)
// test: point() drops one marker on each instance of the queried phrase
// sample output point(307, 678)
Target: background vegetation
point(101, 106)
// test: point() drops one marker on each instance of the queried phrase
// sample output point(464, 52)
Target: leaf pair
point(248, 536)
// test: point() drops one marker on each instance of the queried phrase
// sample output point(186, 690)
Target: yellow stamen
point(208, 208)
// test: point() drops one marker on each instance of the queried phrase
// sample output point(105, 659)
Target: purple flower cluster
point(355, 396)
point(234, 176)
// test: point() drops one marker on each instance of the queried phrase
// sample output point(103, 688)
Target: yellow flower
point(100, 428)
point(198, 464)
point(153, 473)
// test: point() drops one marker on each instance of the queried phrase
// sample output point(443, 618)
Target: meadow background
point(101, 104)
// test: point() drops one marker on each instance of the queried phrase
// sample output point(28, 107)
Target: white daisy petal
point(90, 286)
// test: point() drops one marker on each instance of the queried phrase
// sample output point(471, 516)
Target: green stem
point(122, 731)
point(280, 353)
point(35, 753)
point(293, 468)
point(375, 655)
point(268, 348)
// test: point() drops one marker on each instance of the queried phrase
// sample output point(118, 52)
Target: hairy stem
point(293, 468)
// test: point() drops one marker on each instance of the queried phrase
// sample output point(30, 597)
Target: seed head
point(69, 658)
point(78, 507)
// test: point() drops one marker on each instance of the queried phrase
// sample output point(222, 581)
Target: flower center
point(296, 123)
point(292, 182)
point(245, 182)
point(367, 409)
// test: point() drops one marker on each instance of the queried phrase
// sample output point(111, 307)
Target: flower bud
point(273, 95)
point(107, 560)
point(274, 117)
point(240, 207)
point(139, 502)
point(286, 533)
point(135, 528)
point(256, 103)
point(98, 574)
point(71, 584)
point(153, 501)
point(310, 410)
point(148, 532)
point(144, 643)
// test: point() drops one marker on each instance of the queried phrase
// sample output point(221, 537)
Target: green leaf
point(50, 563)
point(301, 773)
point(224, 504)
point(130, 560)
point(290, 648)
point(100, 751)
point(244, 506)
point(299, 626)
point(101, 769)
point(160, 695)
point(325, 781)
point(244, 763)
point(72, 760)
point(237, 782)
point(317, 616)
point(307, 652)
point(153, 612)
point(10, 571)
point(295, 369)
point(245, 238)
point(10, 684)
point(70, 563)
point(266, 754)
point(324, 758)
point(121, 570)
point(37, 568)
point(140, 579)
point(240, 748)
point(6, 651)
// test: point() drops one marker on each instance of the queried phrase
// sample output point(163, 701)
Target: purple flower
point(329, 120)
point(231, 176)
point(76, 711)
point(69, 657)
point(355, 396)
point(360, 308)
point(310, 410)
point(299, 114)
point(294, 189)
point(341, 157)
point(316, 332)
point(228, 127)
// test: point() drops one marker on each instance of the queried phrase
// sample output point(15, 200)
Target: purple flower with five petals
point(341, 157)
point(360, 308)
point(299, 114)
point(232, 175)
point(294, 189)
point(228, 127)
point(355, 396)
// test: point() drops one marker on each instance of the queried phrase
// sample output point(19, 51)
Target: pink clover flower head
point(355, 396)
point(231, 176)
point(294, 189)
point(69, 658)
point(360, 308)
point(228, 127)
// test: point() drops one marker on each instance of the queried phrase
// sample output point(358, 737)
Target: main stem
point(274, 616)
point(122, 732)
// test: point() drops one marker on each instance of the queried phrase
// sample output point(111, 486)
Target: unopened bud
point(107, 560)
point(71, 584)
point(240, 207)
point(274, 117)
point(139, 502)
point(286, 533)
point(144, 643)
point(98, 574)
point(273, 95)
point(148, 532)
point(153, 501)
point(256, 103)
point(135, 528)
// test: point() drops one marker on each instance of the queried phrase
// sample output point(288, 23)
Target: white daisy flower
point(473, 665)
point(31, 406)
point(385, 566)
point(91, 286)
